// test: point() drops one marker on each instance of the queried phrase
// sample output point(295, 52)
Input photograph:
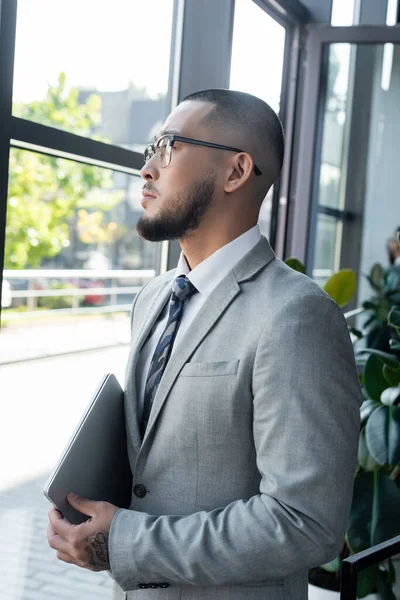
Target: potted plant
point(385, 284)
point(340, 286)
point(375, 510)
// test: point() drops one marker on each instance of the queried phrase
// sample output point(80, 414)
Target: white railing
point(319, 273)
point(137, 278)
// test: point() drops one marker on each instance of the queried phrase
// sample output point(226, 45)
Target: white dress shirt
point(205, 277)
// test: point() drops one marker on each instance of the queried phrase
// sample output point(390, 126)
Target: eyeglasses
point(163, 146)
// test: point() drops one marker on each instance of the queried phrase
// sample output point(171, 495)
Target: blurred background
point(85, 85)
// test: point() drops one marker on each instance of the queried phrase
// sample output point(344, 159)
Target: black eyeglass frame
point(172, 137)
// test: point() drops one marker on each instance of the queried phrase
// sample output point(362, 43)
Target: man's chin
point(153, 231)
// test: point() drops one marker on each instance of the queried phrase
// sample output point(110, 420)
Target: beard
point(176, 221)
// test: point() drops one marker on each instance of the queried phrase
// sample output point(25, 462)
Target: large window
point(96, 73)
point(90, 86)
point(101, 60)
point(357, 207)
point(257, 66)
point(71, 241)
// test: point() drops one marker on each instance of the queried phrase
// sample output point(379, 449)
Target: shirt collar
point(206, 275)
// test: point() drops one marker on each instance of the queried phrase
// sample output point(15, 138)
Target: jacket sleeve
point(306, 398)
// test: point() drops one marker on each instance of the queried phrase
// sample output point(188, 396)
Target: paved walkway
point(42, 400)
point(43, 338)
point(29, 568)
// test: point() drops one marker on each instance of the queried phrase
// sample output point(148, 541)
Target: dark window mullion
point(283, 115)
point(8, 21)
point(288, 11)
point(344, 215)
point(76, 147)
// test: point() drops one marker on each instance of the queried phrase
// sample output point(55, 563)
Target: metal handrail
point(78, 273)
point(74, 292)
point(352, 565)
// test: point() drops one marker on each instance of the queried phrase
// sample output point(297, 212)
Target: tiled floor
point(29, 568)
point(26, 341)
point(41, 402)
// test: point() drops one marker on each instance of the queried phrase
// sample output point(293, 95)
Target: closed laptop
point(95, 462)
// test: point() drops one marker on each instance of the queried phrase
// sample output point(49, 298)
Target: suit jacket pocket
point(210, 369)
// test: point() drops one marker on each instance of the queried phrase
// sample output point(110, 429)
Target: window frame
point(44, 139)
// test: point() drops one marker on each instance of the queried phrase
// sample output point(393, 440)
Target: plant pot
point(317, 593)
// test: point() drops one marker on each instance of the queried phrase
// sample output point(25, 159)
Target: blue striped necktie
point(183, 289)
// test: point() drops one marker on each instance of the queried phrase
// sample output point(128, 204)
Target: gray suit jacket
point(249, 456)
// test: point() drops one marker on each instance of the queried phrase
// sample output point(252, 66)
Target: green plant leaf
point(366, 409)
point(392, 376)
point(391, 396)
point(384, 582)
point(365, 459)
point(333, 566)
point(374, 381)
point(295, 264)
point(391, 571)
point(382, 434)
point(341, 286)
point(376, 276)
point(366, 581)
point(394, 345)
point(385, 591)
point(375, 511)
point(387, 358)
point(394, 318)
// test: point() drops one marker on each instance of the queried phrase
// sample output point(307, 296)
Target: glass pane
point(325, 246)
point(335, 125)
point(71, 227)
point(359, 163)
point(381, 206)
point(257, 37)
point(45, 399)
point(73, 263)
point(96, 72)
point(342, 12)
point(264, 219)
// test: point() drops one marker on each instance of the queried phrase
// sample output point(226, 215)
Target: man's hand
point(84, 545)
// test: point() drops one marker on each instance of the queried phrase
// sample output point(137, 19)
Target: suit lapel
point(138, 339)
point(215, 305)
point(212, 309)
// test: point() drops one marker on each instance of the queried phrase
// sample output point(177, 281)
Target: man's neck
point(197, 248)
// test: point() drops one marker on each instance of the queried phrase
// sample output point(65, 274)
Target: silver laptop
point(95, 462)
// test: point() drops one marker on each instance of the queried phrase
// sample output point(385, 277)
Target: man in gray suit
point(242, 398)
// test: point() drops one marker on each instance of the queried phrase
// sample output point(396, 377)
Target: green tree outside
point(46, 193)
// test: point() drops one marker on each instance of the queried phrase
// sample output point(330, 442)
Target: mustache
point(149, 187)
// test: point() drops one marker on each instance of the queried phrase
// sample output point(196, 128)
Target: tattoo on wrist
point(97, 550)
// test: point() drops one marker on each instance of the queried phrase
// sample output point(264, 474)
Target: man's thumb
point(84, 505)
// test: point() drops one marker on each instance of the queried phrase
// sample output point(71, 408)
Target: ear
point(240, 170)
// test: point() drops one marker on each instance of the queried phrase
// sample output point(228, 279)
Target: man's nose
point(149, 172)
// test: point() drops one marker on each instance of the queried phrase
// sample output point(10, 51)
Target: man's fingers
point(84, 505)
point(61, 526)
point(65, 557)
point(61, 545)
point(50, 531)
point(54, 514)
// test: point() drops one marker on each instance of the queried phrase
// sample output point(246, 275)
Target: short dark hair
point(253, 117)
